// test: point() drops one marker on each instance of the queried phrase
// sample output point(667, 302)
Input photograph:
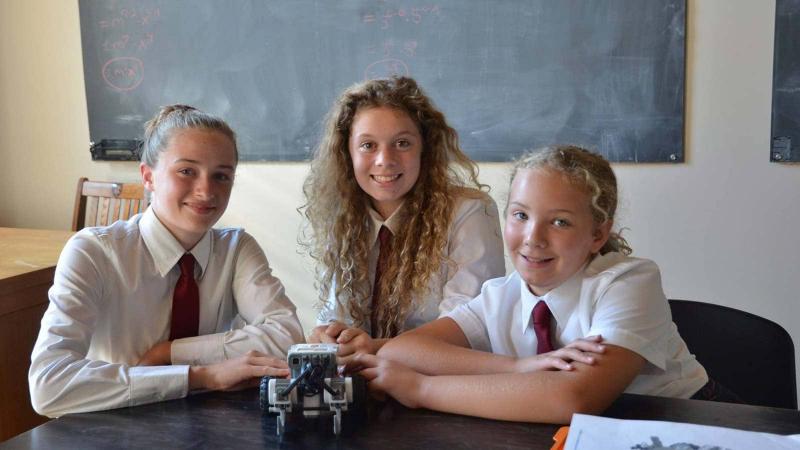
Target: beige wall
point(724, 226)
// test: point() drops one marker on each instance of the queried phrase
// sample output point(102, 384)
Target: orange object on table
point(560, 438)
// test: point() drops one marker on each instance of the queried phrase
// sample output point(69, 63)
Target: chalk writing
point(413, 15)
point(387, 48)
point(130, 16)
point(143, 42)
point(146, 41)
point(120, 43)
point(110, 23)
point(123, 73)
point(386, 68)
point(394, 51)
point(129, 29)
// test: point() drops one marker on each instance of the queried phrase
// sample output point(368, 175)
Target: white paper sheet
point(600, 433)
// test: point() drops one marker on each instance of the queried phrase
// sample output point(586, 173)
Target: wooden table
point(27, 264)
point(220, 420)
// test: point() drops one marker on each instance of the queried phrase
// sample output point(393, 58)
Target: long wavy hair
point(589, 172)
point(338, 223)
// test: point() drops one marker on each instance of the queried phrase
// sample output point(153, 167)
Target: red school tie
point(385, 239)
point(185, 302)
point(541, 325)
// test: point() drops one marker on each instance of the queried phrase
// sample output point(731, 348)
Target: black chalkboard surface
point(786, 83)
point(509, 74)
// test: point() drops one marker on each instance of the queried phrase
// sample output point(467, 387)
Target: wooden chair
point(750, 355)
point(101, 203)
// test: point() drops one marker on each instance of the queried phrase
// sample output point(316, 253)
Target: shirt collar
point(562, 301)
point(392, 223)
point(529, 300)
point(165, 249)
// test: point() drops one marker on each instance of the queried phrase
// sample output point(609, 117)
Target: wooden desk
point(233, 420)
point(27, 263)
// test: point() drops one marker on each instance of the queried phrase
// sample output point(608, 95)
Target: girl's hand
point(351, 340)
point(356, 340)
point(388, 377)
point(237, 373)
point(580, 350)
point(326, 334)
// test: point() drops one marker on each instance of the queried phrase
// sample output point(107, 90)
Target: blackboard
point(786, 83)
point(509, 74)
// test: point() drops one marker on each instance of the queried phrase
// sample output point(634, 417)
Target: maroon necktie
point(385, 239)
point(185, 302)
point(541, 325)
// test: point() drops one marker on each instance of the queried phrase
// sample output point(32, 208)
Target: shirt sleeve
point(61, 378)
point(332, 311)
point(471, 318)
point(266, 321)
point(632, 312)
point(475, 251)
point(328, 313)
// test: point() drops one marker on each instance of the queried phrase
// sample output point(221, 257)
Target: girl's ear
point(601, 234)
point(147, 176)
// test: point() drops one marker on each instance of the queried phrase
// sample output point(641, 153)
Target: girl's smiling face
point(550, 232)
point(191, 183)
point(385, 147)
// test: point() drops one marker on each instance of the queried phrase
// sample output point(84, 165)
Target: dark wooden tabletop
point(234, 420)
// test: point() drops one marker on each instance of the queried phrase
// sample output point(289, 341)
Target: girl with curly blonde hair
point(577, 323)
point(398, 223)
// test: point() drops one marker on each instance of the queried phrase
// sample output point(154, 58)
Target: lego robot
point(315, 387)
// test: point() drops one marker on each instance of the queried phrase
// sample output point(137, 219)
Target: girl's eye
point(560, 223)
point(519, 215)
point(222, 177)
point(403, 143)
point(185, 171)
point(367, 146)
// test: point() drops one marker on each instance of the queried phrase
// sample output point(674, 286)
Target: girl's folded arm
point(541, 396)
point(441, 348)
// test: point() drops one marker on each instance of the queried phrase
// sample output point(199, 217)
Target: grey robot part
point(315, 387)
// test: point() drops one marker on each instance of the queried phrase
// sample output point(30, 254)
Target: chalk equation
point(393, 52)
point(128, 30)
point(388, 47)
point(130, 16)
point(123, 73)
point(125, 42)
point(413, 15)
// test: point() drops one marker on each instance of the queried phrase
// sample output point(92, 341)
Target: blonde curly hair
point(338, 223)
point(588, 171)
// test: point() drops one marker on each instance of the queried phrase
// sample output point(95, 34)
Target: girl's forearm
point(432, 356)
point(541, 396)
point(545, 397)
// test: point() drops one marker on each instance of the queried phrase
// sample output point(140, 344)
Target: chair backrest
point(748, 354)
point(101, 203)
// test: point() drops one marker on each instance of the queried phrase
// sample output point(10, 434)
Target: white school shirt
point(111, 301)
point(615, 296)
point(474, 245)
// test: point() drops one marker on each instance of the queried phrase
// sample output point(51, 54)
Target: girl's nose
point(536, 235)
point(204, 186)
point(384, 156)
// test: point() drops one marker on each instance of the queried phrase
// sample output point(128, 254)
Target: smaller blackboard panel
point(785, 145)
point(509, 74)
